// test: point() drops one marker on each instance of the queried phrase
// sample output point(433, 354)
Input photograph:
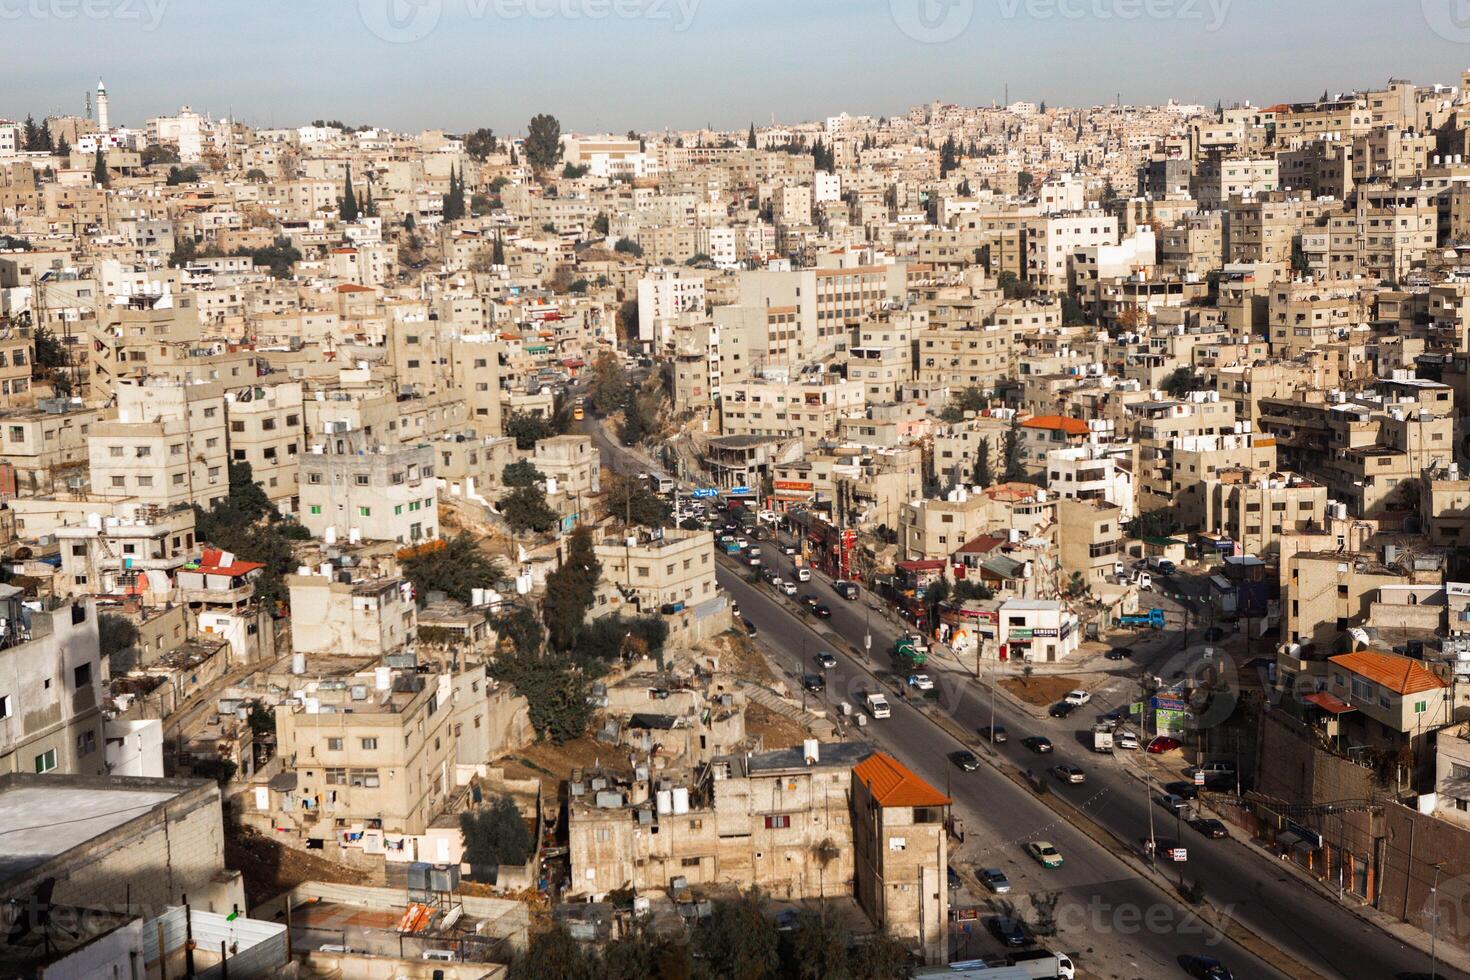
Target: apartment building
point(572, 461)
point(663, 295)
point(960, 357)
point(137, 555)
point(1399, 702)
point(50, 694)
point(1093, 472)
point(267, 430)
point(660, 574)
point(1255, 509)
point(1052, 241)
point(47, 446)
point(354, 488)
point(1161, 428)
point(1219, 178)
point(883, 357)
point(336, 613)
point(810, 409)
point(167, 446)
point(1089, 543)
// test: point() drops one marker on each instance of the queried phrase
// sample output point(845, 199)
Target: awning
point(1329, 703)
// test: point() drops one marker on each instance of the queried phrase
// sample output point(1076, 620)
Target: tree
point(528, 429)
point(497, 252)
point(574, 171)
point(880, 957)
point(522, 473)
point(1073, 312)
point(626, 246)
point(984, 477)
point(156, 153)
point(554, 955)
point(750, 142)
point(280, 257)
point(817, 948)
point(610, 387)
point(553, 688)
point(525, 509)
point(49, 353)
point(739, 942)
point(1024, 180)
point(481, 143)
point(256, 176)
point(1010, 454)
point(635, 427)
point(610, 640)
point(63, 148)
point(247, 497)
point(453, 203)
point(1181, 382)
point(100, 176)
point(949, 157)
point(456, 569)
point(117, 637)
point(626, 498)
point(496, 834)
point(543, 142)
point(182, 175)
point(349, 208)
point(570, 591)
point(31, 134)
point(1300, 264)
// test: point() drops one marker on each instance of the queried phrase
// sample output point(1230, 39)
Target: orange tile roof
point(892, 784)
point(1401, 675)
point(1069, 425)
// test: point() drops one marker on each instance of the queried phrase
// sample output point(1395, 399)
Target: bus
point(660, 484)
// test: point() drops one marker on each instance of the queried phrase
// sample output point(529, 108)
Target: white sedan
point(1078, 698)
point(921, 682)
point(789, 588)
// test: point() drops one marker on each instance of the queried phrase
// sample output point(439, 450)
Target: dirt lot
point(270, 868)
point(552, 763)
point(739, 656)
point(775, 731)
point(1041, 690)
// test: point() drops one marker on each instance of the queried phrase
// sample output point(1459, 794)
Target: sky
point(615, 65)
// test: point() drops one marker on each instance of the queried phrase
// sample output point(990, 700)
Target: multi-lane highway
point(1101, 896)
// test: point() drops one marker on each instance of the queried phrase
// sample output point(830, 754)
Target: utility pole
point(1434, 924)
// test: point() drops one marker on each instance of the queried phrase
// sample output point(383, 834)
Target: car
point(826, 661)
point(1180, 788)
point(788, 588)
point(1119, 653)
point(1160, 744)
point(1170, 802)
point(1125, 740)
point(1069, 774)
point(1207, 968)
point(921, 682)
point(810, 601)
point(815, 683)
point(995, 735)
point(1077, 698)
point(1008, 929)
point(755, 562)
point(953, 877)
point(742, 543)
point(1039, 744)
point(965, 759)
point(994, 879)
point(1062, 709)
point(788, 549)
point(750, 629)
point(1211, 828)
point(1044, 853)
point(821, 611)
point(803, 574)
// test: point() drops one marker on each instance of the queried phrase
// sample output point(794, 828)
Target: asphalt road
point(1118, 908)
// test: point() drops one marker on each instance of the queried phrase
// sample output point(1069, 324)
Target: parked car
point(750, 629)
point(995, 879)
point(1077, 698)
point(826, 661)
point(996, 735)
point(1211, 828)
point(1171, 802)
point(1119, 653)
point(1044, 853)
point(810, 601)
point(821, 611)
point(1125, 740)
point(1207, 968)
point(1069, 774)
point(803, 574)
point(1039, 744)
point(815, 683)
point(788, 588)
point(953, 877)
point(1163, 743)
point(921, 682)
point(1062, 709)
point(965, 759)
point(1009, 930)
point(788, 549)
point(1184, 790)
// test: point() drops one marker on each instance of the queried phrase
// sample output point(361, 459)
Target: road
point(1097, 888)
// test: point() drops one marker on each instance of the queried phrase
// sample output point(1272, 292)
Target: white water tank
point(330, 535)
point(313, 706)
point(383, 678)
point(298, 663)
point(681, 800)
point(811, 751)
point(354, 536)
point(664, 802)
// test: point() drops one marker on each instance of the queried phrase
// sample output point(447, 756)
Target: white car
point(789, 588)
point(921, 682)
point(803, 574)
point(1077, 698)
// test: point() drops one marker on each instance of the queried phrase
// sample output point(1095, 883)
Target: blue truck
point(1153, 619)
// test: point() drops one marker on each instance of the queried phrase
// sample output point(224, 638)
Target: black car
point(965, 759)
point(810, 601)
point(750, 629)
point(1008, 930)
point(1062, 709)
point(1119, 653)
point(1213, 829)
point(814, 683)
point(1207, 968)
point(1183, 790)
point(821, 611)
point(1039, 744)
point(995, 735)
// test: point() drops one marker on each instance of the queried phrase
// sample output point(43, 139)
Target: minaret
point(101, 106)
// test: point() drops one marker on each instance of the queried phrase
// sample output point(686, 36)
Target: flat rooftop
point(38, 823)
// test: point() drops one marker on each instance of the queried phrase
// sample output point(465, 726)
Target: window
point(46, 761)
point(689, 862)
point(1420, 707)
point(316, 508)
point(334, 745)
point(86, 743)
point(81, 676)
point(369, 744)
point(4, 706)
point(364, 512)
point(778, 822)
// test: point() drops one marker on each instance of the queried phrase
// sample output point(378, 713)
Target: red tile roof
point(1401, 675)
point(209, 564)
point(1069, 425)
point(892, 784)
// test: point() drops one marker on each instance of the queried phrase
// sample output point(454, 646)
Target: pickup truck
point(876, 705)
point(1161, 565)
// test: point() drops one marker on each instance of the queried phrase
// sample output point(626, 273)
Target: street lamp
point(1434, 924)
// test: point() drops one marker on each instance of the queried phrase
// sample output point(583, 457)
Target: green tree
point(63, 148)
point(626, 498)
point(521, 473)
point(496, 834)
point(1181, 382)
point(554, 955)
point(497, 253)
point(610, 388)
point(31, 134)
point(817, 948)
point(527, 429)
point(280, 257)
point(600, 224)
point(481, 143)
point(182, 175)
point(984, 477)
point(570, 591)
point(949, 157)
point(574, 171)
point(543, 142)
point(1300, 264)
point(1024, 180)
point(49, 354)
point(456, 569)
point(117, 640)
point(247, 497)
point(609, 640)
point(750, 142)
point(525, 509)
point(1010, 454)
point(1073, 312)
point(100, 176)
point(880, 957)
point(349, 207)
point(740, 942)
point(627, 246)
point(256, 176)
point(554, 689)
point(635, 427)
point(156, 153)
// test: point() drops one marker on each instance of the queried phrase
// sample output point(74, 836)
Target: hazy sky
point(620, 64)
